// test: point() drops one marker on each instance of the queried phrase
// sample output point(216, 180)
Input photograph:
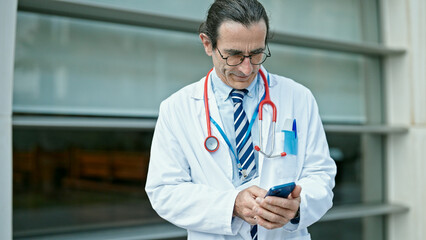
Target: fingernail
point(259, 200)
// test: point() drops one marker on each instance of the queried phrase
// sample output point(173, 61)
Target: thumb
point(296, 192)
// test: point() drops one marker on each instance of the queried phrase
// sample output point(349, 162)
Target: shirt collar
point(222, 91)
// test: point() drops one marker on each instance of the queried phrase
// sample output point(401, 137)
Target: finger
point(244, 204)
point(296, 192)
point(269, 225)
point(252, 220)
point(272, 202)
point(275, 217)
point(277, 209)
point(257, 191)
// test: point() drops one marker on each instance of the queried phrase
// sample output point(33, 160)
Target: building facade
point(82, 81)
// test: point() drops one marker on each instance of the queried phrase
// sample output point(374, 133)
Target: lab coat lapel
point(266, 133)
point(222, 155)
point(266, 127)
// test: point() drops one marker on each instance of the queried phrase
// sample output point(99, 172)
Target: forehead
point(236, 35)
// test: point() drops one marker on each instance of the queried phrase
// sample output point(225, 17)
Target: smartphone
point(281, 190)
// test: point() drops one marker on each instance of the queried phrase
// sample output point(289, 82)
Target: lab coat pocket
point(287, 167)
point(279, 170)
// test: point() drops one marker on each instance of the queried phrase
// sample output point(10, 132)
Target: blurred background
point(89, 75)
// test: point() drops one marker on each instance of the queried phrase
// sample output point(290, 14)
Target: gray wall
point(7, 46)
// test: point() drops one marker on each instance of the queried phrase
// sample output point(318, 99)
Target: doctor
point(216, 190)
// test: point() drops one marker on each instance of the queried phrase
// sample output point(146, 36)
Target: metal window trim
point(98, 12)
point(371, 129)
point(83, 122)
point(363, 210)
point(148, 123)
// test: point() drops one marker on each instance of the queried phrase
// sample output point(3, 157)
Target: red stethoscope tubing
point(206, 106)
point(266, 100)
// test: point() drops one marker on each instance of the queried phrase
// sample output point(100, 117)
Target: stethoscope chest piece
point(211, 143)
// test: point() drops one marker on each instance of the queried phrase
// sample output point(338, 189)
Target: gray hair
point(245, 12)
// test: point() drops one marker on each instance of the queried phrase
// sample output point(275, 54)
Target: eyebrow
point(238, 52)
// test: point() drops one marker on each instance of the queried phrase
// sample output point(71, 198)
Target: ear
point(206, 43)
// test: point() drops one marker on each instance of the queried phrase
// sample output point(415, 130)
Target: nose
point(246, 67)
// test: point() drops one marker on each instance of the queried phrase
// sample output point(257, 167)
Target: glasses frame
point(268, 54)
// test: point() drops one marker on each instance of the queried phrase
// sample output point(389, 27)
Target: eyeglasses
point(237, 59)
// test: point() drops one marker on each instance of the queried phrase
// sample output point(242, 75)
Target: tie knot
point(238, 95)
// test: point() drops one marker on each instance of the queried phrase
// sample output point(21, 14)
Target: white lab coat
point(192, 188)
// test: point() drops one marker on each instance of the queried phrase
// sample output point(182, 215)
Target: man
point(216, 190)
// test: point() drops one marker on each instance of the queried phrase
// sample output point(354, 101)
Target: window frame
point(373, 133)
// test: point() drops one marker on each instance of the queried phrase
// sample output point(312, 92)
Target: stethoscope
point(212, 143)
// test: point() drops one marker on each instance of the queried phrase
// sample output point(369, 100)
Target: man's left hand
point(274, 212)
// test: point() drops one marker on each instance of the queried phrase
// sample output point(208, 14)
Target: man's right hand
point(246, 202)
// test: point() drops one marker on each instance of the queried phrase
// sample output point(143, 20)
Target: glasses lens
point(234, 60)
point(257, 59)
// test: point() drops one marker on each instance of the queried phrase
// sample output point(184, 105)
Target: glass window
point(342, 229)
point(346, 150)
point(79, 179)
point(72, 66)
point(347, 20)
point(136, 68)
point(192, 9)
point(338, 80)
point(76, 179)
point(348, 229)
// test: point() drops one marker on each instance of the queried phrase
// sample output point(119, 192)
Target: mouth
point(241, 77)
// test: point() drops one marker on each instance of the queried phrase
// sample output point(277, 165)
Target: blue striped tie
point(253, 232)
point(241, 123)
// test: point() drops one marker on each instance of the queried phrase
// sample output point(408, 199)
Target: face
point(235, 38)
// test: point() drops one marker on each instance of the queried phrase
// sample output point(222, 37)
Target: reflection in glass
point(69, 179)
point(353, 20)
point(337, 80)
point(343, 229)
point(64, 179)
point(345, 149)
point(74, 66)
